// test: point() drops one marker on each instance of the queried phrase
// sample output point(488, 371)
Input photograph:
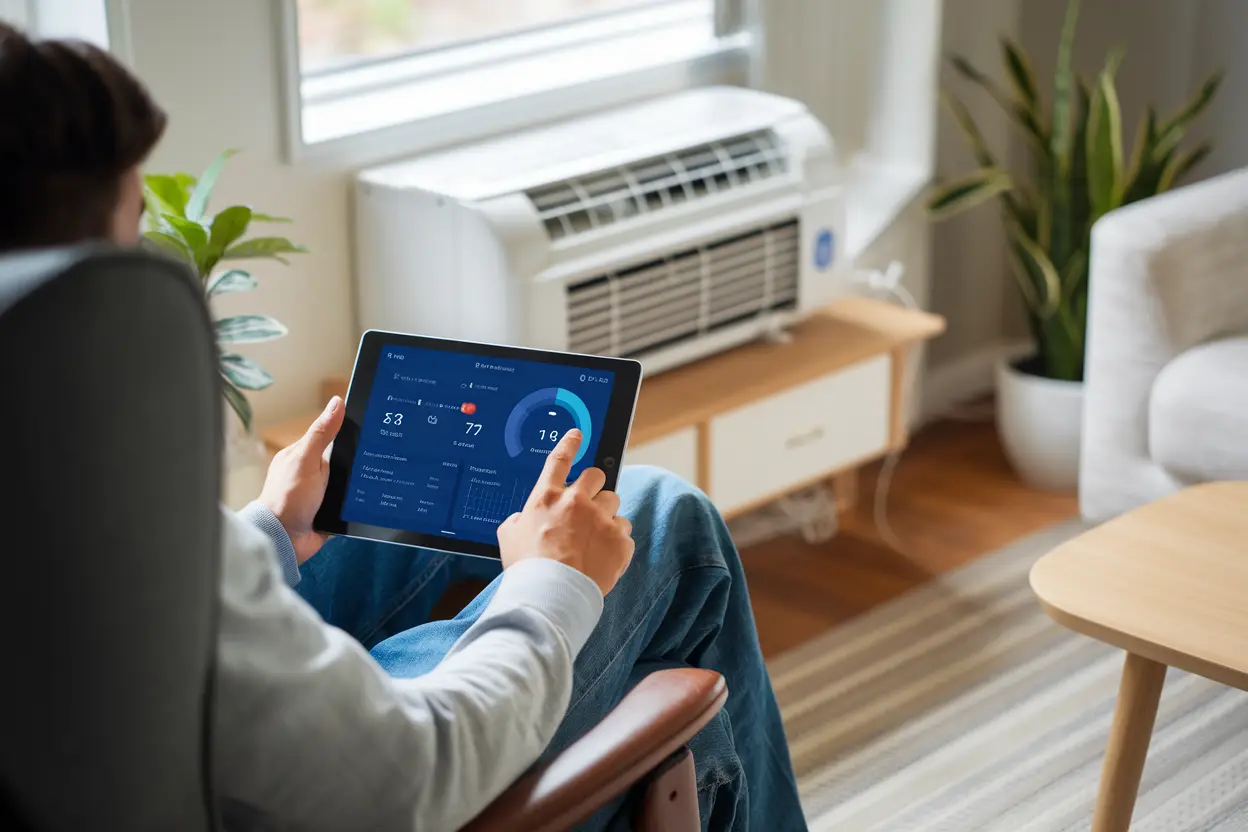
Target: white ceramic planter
point(1040, 421)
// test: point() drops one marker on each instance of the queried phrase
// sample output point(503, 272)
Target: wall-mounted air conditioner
point(663, 231)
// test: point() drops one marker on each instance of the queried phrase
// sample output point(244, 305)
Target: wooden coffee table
point(1168, 583)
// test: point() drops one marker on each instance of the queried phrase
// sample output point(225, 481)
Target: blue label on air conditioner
point(824, 250)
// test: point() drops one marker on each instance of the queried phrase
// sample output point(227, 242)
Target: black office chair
point(111, 422)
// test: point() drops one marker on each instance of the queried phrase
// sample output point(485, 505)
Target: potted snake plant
point(1080, 169)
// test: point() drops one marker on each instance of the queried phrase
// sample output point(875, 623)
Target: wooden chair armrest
point(655, 719)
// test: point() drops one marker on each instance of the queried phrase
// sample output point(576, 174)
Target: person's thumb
point(325, 428)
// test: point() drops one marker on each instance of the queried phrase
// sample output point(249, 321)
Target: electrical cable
point(889, 281)
point(813, 513)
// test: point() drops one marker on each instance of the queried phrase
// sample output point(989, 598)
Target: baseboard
point(964, 379)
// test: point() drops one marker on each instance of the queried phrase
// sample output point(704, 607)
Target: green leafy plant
point(178, 223)
point(1080, 170)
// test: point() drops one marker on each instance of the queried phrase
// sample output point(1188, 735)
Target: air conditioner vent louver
point(574, 206)
point(686, 295)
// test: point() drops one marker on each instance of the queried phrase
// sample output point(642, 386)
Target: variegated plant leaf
point(1172, 131)
point(964, 194)
point(244, 373)
point(1018, 112)
point(1106, 177)
point(249, 329)
point(231, 280)
point(1022, 76)
point(238, 402)
point(1182, 164)
point(1048, 289)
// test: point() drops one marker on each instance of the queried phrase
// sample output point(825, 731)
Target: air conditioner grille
point(574, 206)
point(662, 302)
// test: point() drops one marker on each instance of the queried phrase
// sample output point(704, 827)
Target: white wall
point(1221, 40)
point(214, 67)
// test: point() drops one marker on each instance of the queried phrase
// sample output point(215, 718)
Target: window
point(460, 68)
point(334, 33)
point(86, 19)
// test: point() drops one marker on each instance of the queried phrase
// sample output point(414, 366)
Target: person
point(340, 705)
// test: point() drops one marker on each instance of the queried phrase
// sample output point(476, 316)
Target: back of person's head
point(74, 126)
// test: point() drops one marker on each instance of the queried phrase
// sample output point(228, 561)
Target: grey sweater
point(312, 734)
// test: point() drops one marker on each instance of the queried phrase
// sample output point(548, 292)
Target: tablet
point(444, 439)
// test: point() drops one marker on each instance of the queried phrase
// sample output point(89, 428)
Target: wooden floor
point(953, 498)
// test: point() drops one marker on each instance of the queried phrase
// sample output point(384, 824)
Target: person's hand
point(296, 481)
point(573, 524)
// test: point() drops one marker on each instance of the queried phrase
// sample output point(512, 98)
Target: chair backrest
point(110, 418)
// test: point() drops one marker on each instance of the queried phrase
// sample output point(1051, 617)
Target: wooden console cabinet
point(760, 421)
point(769, 418)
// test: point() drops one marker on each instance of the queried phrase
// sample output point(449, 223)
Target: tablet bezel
point(609, 456)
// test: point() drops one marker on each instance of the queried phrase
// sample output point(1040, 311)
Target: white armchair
point(1166, 400)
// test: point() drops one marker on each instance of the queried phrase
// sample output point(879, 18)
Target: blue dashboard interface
point(452, 443)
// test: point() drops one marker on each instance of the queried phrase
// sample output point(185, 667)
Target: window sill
point(438, 110)
point(877, 195)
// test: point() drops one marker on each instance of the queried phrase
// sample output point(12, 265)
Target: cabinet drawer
point(766, 448)
point(677, 452)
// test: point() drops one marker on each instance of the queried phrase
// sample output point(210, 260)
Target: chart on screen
point(489, 501)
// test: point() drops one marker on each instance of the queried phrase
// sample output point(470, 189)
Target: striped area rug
point(961, 706)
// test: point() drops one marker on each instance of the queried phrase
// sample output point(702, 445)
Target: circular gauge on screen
point(559, 405)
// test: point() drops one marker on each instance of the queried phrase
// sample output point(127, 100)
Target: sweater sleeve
point(259, 515)
point(312, 733)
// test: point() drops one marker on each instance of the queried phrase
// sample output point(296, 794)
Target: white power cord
point(813, 511)
point(889, 282)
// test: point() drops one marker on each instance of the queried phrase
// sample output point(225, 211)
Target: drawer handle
point(803, 438)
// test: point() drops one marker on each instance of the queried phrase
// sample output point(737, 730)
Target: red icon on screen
point(467, 408)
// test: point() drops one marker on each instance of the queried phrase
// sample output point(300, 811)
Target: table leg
point(845, 489)
point(1138, 696)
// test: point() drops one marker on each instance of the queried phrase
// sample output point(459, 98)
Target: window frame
point(722, 55)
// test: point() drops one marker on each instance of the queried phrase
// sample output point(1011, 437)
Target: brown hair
point(73, 120)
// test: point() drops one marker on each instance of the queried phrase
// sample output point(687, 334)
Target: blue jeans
point(683, 602)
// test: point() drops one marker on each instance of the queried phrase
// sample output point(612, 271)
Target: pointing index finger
point(559, 463)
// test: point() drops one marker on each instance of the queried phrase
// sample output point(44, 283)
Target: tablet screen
point(451, 443)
